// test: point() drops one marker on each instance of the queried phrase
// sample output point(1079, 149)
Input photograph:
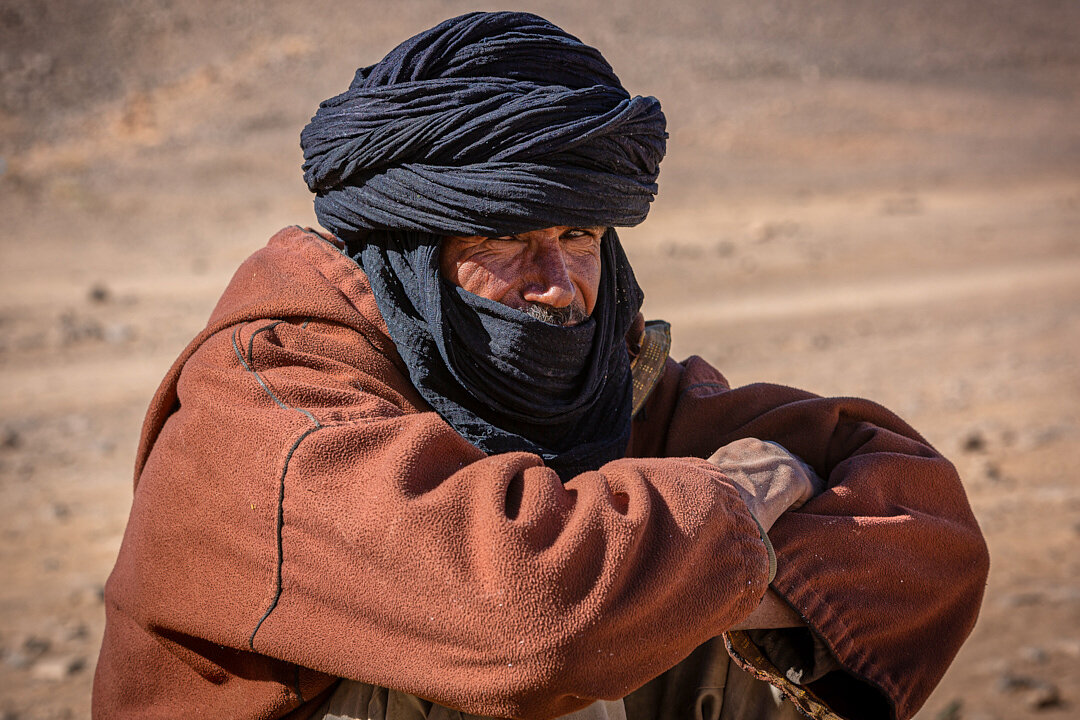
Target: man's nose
point(548, 281)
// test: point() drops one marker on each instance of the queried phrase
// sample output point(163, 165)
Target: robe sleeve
point(888, 565)
point(297, 508)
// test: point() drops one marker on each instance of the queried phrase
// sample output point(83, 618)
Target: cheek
point(484, 277)
point(585, 272)
point(466, 265)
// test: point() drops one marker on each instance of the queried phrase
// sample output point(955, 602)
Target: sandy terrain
point(859, 199)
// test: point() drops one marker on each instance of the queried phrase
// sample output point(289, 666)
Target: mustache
point(572, 314)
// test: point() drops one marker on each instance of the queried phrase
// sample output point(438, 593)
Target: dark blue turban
point(493, 124)
point(487, 123)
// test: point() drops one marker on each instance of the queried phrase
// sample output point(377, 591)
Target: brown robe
point(300, 515)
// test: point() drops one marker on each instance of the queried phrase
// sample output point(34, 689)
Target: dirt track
point(857, 200)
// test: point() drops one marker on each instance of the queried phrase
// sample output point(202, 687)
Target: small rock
point(98, 293)
point(118, 333)
point(10, 438)
point(768, 231)
point(60, 511)
point(974, 442)
point(992, 471)
point(58, 668)
point(87, 595)
point(17, 659)
point(74, 329)
point(1010, 683)
point(1034, 654)
point(27, 653)
point(1039, 437)
point(76, 631)
point(36, 646)
point(1027, 597)
point(724, 248)
point(952, 711)
point(1044, 697)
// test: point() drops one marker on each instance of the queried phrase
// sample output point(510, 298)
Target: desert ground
point(859, 198)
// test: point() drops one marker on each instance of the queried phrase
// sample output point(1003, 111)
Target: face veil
point(504, 380)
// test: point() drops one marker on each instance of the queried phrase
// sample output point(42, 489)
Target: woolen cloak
point(300, 516)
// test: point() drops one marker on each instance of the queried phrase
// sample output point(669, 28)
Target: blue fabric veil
point(493, 124)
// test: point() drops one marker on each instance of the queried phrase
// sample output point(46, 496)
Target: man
point(433, 462)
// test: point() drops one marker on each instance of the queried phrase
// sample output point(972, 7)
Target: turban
point(487, 123)
point(493, 124)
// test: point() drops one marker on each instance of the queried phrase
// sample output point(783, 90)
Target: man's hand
point(770, 479)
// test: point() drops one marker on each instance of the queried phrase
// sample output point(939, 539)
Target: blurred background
point(860, 198)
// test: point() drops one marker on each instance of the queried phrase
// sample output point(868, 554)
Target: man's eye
point(593, 233)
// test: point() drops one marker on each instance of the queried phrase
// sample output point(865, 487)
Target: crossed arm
point(771, 481)
point(487, 584)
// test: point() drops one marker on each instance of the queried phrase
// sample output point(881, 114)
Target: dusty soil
point(859, 199)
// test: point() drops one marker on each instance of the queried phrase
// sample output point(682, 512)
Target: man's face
point(552, 274)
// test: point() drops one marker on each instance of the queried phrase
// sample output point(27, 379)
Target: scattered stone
point(974, 442)
point(768, 231)
point(1034, 654)
point(1044, 697)
point(118, 333)
point(1036, 438)
point(724, 248)
point(60, 668)
point(952, 711)
point(98, 293)
point(87, 595)
point(682, 250)
point(10, 438)
point(992, 471)
point(1038, 694)
point(1028, 597)
point(74, 329)
point(76, 631)
point(36, 646)
point(32, 648)
point(1010, 683)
